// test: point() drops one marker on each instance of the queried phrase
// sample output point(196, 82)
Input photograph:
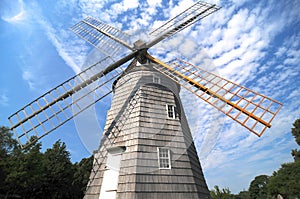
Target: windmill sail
point(109, 40)
point(191, 15)
point(252, 110)
point(65, 101)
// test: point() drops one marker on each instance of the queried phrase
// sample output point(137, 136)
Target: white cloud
point(15, 11)
point(180, 7)
point(280, 51)
point(4, 99)
point(29, 77)
point(294, 93)
point(154, 3)
point(60, 46)
point(124, 6)
point(88, 7)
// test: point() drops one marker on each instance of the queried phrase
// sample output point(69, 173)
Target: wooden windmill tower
point(146, 150)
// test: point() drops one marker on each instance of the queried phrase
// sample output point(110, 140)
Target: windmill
point(146, 149)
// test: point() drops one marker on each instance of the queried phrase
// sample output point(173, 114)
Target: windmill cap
point(139, 44)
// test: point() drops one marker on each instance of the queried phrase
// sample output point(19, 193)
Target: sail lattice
point(109, 40)
point(190, 16)
point(59, 105)
point(252, 110)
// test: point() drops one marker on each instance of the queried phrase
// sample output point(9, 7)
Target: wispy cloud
point(28, 76)
point(15, 11)
point(154, 3)
point(4, 99)
point(62, 48)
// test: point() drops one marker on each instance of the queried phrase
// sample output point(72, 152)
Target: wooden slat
point(252, 110)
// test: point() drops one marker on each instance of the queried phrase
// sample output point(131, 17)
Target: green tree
point(58, 172)
point(29, 173)
point(81, 175)
point(243, 195)
point(7, 145)
point(218, 193)
point(296, 131)
point(258, 187)
point(296, 134)
point(25, 173)
point(286, 181)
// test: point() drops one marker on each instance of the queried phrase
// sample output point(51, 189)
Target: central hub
point(141, 46)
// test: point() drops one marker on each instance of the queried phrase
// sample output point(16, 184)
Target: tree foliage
point(296, 131)
point(296, 134)
point(32, 174)
point(218, 193)
point(258, 187)
point(243, 195)
point(7, 145)
point(81, 175)
point(58, 171)
point(286, 181)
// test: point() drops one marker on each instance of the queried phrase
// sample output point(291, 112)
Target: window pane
point(164, 158)
point(171, 111)
point(156, 79)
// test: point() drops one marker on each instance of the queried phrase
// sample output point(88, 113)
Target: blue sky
point(253, 44)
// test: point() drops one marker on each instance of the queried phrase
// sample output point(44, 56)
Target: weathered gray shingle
point(143, 126)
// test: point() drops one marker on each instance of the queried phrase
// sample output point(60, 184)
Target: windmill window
point(171, 111)
point(156, 79)
point(164, 158)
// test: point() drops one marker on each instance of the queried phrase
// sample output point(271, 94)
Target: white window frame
point(172, 111)
point(155, 77)
point(164, 158)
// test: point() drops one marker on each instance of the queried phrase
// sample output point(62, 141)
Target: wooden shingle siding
point(145, 128)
